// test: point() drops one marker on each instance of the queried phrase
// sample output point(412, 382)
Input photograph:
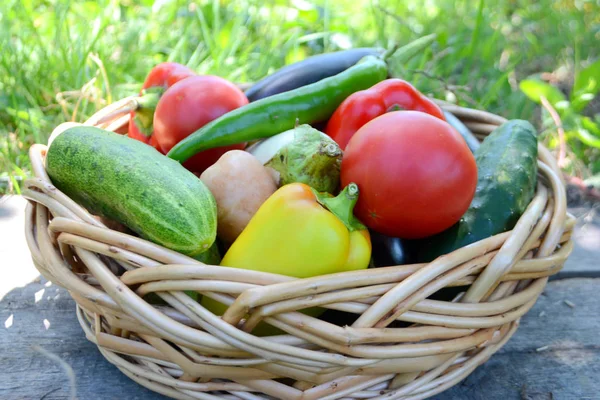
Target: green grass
point(61, 60)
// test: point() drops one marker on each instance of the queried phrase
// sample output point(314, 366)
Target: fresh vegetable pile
point(328, 165)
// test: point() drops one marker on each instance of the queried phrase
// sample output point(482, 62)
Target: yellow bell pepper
point(302, 233)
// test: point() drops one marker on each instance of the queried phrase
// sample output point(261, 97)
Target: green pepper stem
point(342, 206)
point(144, 113)
point(148, 100)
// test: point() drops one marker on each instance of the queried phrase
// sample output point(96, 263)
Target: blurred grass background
point(61, 60)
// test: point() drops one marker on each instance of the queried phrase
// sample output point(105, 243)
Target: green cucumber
point(130, 182)
point(507, 176)
point(212, 256)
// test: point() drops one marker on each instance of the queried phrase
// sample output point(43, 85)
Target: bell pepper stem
point(146, 105)
point(342, 206)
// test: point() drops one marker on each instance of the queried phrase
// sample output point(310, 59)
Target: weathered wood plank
point(555, 354)
point(568, 368)
point(28, 374)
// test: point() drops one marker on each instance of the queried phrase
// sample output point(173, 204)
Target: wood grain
point(555, 352)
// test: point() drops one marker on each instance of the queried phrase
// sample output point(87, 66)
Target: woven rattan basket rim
point(183, 351)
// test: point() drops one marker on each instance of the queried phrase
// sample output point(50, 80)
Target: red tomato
point(415, 173)
point(162, 76)
point(189, 105)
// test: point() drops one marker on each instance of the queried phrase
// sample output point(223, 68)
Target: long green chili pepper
point(272, 115)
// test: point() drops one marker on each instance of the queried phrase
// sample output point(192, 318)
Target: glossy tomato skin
point(162, 76)
point(155, 144)
point(415, 173)
point(189, 105)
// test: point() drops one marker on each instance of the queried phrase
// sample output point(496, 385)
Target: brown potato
point(240, 184)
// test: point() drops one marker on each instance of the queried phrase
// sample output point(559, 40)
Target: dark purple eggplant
point(388, 251)
point(308, 71)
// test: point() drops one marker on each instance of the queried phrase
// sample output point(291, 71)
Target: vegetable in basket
point(159, 79)
point(272, 115)
point(365, 105)
point(130, 182)
point(211, 256)
point(415, 172)
point(240, 184)
point(389, 251)
point(302, 154)
point(302, 233)
point(60, 129)
point(308, 104)
point(507, 169)
point(189, 105)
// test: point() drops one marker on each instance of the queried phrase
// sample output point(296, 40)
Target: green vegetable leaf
point(535, 89)
point(587, 85)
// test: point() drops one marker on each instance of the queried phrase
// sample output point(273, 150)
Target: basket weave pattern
point(182, 350)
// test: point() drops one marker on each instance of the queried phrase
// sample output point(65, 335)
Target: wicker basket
point(184, 351)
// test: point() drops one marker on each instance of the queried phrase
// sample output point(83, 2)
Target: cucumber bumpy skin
point(130, 182)
point(506, 183)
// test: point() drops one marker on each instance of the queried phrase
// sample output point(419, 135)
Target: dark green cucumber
point(130, 182)
point(507, 175)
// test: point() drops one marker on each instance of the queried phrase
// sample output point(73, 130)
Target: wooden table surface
point(555, 354)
